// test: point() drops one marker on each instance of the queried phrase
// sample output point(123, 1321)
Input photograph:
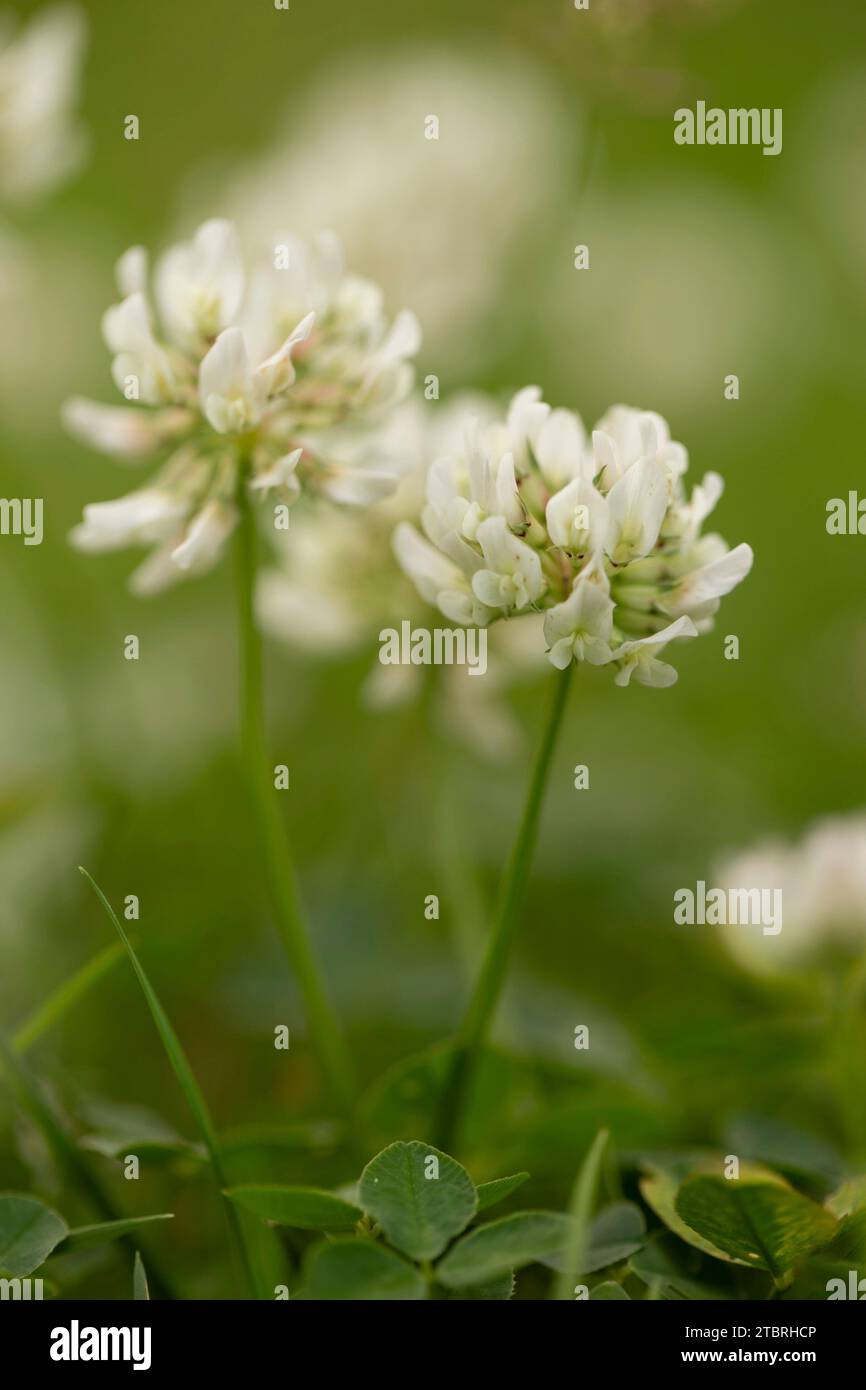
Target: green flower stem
point(475, 1027)
point(848, 1037)
point(279, 871)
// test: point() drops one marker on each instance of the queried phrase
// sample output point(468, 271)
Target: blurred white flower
point(334, 586)
point(435, 221)
point(598, 536)
point(251, 382)
point(41, 142)
point(823, 885)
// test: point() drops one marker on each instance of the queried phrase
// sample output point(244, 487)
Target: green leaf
point(419, 1214)
point(105, 1231)
point(495, 1290)
point(671, 1270)
point(505, 1245)
point(29, 1095)
point(489, 1193)
point(582, 1202)
point(29, 1231)
point(659, 1191)
point(306, 1208)
point(118, 1129)
point(798, 1155)
point(820, 1276)
point(608, 1292)
point(360, 1269)
point(765, 1225)
point(848, 1199)
point(614, 1234)
point(140, 1290)
point(617, 1232)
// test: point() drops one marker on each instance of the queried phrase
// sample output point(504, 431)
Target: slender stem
point(488, 987)
point(847, 1038)
point(279, 870)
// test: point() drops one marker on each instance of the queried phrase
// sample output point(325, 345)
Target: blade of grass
point(140, 1291)
point(65, 996)
point(580, 1210)
point(188, 1084)
point(103, 1232)
point(28, 1093)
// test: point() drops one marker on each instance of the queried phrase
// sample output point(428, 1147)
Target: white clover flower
point(438, 222)
point(597, 535)
point(581, 627)
point(40, 141)
point(822, 880)
point(246, 381)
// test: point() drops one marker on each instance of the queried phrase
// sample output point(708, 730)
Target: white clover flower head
point(597, 534)
point(271, 381)
point(822, 881)
point(41, 142)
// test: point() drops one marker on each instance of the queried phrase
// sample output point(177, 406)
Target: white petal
point(487, 586)
point(138, 518)
point(587, 610)
point(683, 627)
point(429, 570)
point(636, 503)
point(402, 341)
point(560, 447)
point(199, 284)
point(527, 413)
point(156, 573)
point(710, 582)
point(126, 326)
point(358, 487)
point(280, 473)
point(227, 392)
point(205, 537)
point(573, 529)
point(277, 372)
point(131, 271)
point(508, 555)
point(121, 430)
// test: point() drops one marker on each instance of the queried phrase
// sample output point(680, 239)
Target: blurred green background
point(704, 262)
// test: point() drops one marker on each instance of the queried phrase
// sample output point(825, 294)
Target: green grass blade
point(186, 1080)
point(140, 1291)
point(103, 1232)
point(63, 998)
point(580, 1210)
point(170, 1041)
